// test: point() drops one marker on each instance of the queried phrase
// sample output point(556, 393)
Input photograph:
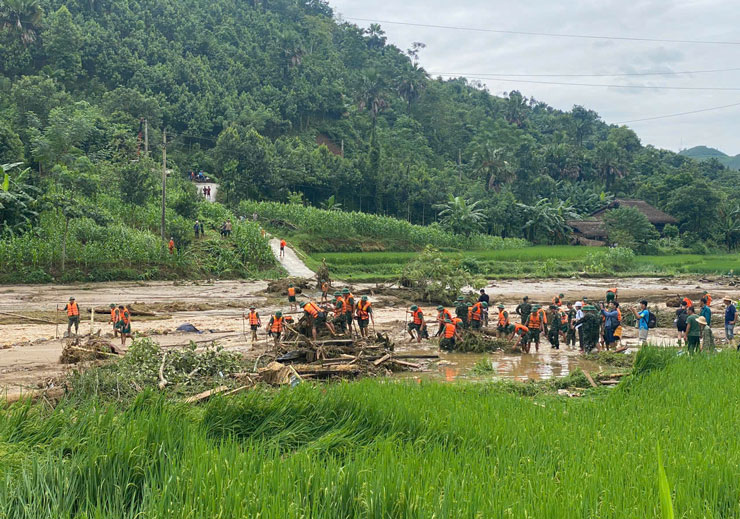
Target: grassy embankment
point(374, 449)
point(537, 261)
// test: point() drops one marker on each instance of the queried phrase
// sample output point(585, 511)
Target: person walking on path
point(693, 331)
point(282, 248)
point(254, 322)
point(535, 323)
point(705, 311)
point(643, 319)
point(553, 334)
point(681, 315)
point(73, 316)
point(730, 316)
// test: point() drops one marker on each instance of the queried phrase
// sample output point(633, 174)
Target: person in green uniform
point(523, 310)
point(590, 324)
point(461, 311)
point(553, 332)
point(570, 329)
point(693, 331)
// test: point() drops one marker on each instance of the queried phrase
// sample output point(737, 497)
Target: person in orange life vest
point(317, 317)
point(254, 321)
point(282, 248)
point(689, 302)
point(442, 314)
point(611, 295)
point(171, 245)
point(503, 320)
point(114, 318)
point(416, 324)
point(349, 308)
point(291, 297)
point(537, 323)
point(558, 300)
point(339, 304)
point(476, 314)
point(124, 324)
point(708, 298)
point(450, 333)
point(364, 315)
point(73, 316)
point(275, 326)
point(520, 330)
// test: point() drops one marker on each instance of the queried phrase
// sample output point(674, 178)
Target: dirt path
point(214, 190)
point(29, 352)
point(291, 262)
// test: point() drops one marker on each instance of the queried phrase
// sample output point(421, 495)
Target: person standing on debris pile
point(705, 311)
point(730, 316)
point(124, 325)
point(523, 332)
point(364, 315)
point(461, 310)
point(114, 318)
point(523, 310)
point(591, 324)
point(536, 324)
point(317, 317)
point(254, 322)
point(611, 323)
point(553, 334)
point(484, 298)
point(291, 297)
point(442, 315)
point(276, 326)
point(349, 308)
point(416, 324)
point(73, 316)
point(681, 315)
point(503, 320)
point(476, 315)
point(339, 320)
point(450, 333)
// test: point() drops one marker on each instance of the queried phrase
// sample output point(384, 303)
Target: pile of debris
point(484, 341)
point(93, 348)
point(300, 357)
point(280, 286)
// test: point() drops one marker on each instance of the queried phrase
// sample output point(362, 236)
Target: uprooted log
point(132, 310)
point(94, 348)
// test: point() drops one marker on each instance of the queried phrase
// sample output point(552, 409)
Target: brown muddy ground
point(29, 352)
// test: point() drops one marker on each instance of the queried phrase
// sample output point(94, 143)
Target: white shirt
point(579, 315)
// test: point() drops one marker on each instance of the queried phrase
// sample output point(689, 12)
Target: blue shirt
point(730, 313)
point(706, 313)
point(644, 317)
point(612, 319)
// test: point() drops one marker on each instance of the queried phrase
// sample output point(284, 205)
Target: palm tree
point(489, 162)
point(412, 85)
point(21, 16)
point(547, 221)
point(460, 216)
point(372, 95)
point(376, 36)
point(608, 162)
point(516, 108)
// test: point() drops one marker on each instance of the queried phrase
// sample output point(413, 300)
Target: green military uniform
point(461, 311)
point(553, 332)
point(523, 310)
point(591, 325)
point(570, 333)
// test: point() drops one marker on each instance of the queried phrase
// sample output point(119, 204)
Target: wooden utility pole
point(146, 137)
point(164, 181)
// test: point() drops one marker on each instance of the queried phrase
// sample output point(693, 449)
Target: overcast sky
point(475, 53)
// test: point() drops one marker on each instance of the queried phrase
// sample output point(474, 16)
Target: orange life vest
point(283, 243)
point(556, 301)
point(125, 316)
point(450, 330)
point(311, 309)
point(363, 310)
point(444, 314)
point(418, 316)
point(709, 300)
point(291, 291)
point(563, 318)
point(254, 318)
point(339, 306)
point(457, 321)
point(277, 324)
point(348, 300)
point(521, 330)
point(477, 311)
point(503, 318)
point(172, 244)
point(114, 315)
point(688, 301)
point(535, 321)
point(73, 309)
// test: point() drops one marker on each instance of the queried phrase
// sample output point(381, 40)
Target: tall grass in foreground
point(374, 449)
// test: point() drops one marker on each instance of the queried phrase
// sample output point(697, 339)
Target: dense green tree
point(628, 227)
point(461, 216)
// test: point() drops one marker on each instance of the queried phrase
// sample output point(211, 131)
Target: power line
point(678, 114)
point(649, 87)
point(547, 34)
point(625, 74)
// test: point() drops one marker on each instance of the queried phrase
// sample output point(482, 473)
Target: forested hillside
point(706, 153)
point(282, 102)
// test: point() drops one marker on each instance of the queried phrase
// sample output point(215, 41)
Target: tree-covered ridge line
point(245, 90)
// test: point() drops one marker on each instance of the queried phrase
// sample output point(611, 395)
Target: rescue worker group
point(590, 326)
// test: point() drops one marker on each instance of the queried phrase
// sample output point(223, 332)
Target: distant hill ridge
point(706, 153)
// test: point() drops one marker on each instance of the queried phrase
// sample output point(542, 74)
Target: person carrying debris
point(124, 325)
point(73, 316)
point(114, 318)
point(503, 320)
point(730, 317)
point(364, 315)
point(276, 325)
point(681, 315)
point(461, 311)
point(450, 334)
point(317, 317)
point(523, 310)
point(553, 333)
point(283, 243)
point(536, 324)
point(442, 315)
point(523, 332)
point(254, 322)
point(291, 297)
point(416, 324)
point(590, 324)
point(476, 315)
